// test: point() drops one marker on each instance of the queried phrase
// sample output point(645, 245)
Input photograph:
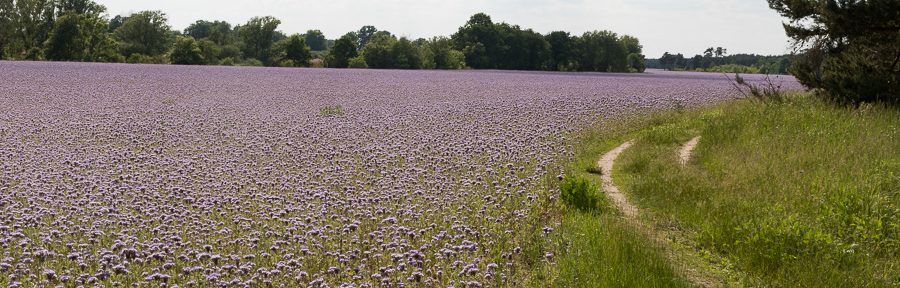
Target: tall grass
point(597, 247)
point(797, 193)
point(603, 251)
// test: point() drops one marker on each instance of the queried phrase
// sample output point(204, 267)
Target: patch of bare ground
point(683, 258)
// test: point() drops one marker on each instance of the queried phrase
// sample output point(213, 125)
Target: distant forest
point(80, 30)
point(716, 59)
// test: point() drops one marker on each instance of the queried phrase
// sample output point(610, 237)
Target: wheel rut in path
point(606, 167)
point(684, 154)
point(676, 257)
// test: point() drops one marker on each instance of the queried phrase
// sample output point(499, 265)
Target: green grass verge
point(602, 251)
point(799, 193)
point(597, 248)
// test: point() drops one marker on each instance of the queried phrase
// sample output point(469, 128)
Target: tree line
point(80, 30)
point(717, 59)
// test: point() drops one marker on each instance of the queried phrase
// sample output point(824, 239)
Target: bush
point(636, 63)
point(344, 49)
point(287, 63)
point(579, 193)
point(227, 62)
point(35, 54)
point(252, 62)
point(210, 51)
point(456, 60)
point(137, 58)
point(358, 62)
point(766, 92)
point(230, 51)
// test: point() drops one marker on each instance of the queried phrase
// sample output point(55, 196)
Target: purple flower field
point(165, 176)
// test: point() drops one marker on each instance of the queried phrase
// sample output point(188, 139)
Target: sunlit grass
point(598, 247)
point(795, 194)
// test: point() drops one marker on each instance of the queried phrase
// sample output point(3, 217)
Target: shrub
point(358, 62)
point(252, 62)
point(287, 63)
point(636, 63)
point(230, 51)
point(227, 62)
point(137, 58)
point(144, 59)
point(35, 53)
point(456, 60)
point(767, 92)
point(579, 193)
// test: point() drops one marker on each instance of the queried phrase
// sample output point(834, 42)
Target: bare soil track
point(606, 167)
point(684, 154)
point(679, 258)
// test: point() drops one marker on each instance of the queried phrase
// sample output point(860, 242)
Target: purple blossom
point(153, 173)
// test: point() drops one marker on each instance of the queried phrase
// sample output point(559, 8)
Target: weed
point(329, 111)
point(767, 92)
point(579, 193)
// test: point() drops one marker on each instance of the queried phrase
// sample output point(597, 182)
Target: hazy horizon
point(662, 26)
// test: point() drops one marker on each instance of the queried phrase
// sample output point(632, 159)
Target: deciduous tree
point(316, 40)
point(480, 42)
point(405, 55)
point(187, 52)
point(344, 49)
point(602, 51)
point(220, 32)
point(147, 33)
point(32, 21)
point(562, 51)
point(364, 35)
point(379, 51)
point(259, 34)
point(67, 39)
point(293, 51)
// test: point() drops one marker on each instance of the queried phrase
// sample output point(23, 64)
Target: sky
point(677, 26)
